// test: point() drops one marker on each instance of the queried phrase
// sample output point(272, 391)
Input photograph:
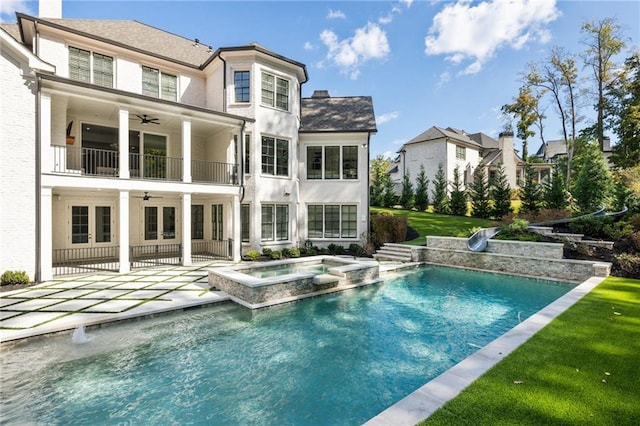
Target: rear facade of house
point(126, 146)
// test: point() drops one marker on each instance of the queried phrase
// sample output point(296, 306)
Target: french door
point(160, 223)
point(91, 224)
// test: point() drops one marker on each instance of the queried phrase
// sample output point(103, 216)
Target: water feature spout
point(79, 336)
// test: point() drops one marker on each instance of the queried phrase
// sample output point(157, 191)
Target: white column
point(123, 229)
point(123, 142)
point(46, 154)
point(46, 234)
point(186, 229)
point(236, 222)
point(186, 150)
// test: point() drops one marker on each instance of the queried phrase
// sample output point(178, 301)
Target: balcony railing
point(102, 162)
point(224, 173)
point(146, 166)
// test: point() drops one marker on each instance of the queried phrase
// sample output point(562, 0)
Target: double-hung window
point(460, 152)
point(275, 91)
point(242, 85)
point(90, 67)
point(157, 84)
point(245, 222)
point(332, 221)
point(332, 162)
point(275, 156)
point(275, 222)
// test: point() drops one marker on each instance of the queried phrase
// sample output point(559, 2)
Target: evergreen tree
point(479, 193)
point(422, 190)
point(458, 203)
point(379, 177)
point(500, 192)
point(555, 196)
point(624, 99)
point(530, 195)
point(593, 184)
point(389, 198)
point(440, 197)
point(408, 196)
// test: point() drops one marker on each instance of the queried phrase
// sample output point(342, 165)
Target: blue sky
point(425, 63)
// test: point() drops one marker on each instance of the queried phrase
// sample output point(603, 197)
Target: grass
point(580, 369)
point(435, 224)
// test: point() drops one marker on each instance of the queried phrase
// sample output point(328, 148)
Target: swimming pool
point(338, 359)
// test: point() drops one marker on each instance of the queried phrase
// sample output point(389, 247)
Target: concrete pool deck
point(61, 305)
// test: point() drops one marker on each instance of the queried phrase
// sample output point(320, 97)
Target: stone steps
point(576, 238)
point(394, 252)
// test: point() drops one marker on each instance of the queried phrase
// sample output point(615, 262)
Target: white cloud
point(9, 7)
point(387, 19)
point(407, 3)
point(384, 118)
point(444, 78)
point(308, 46)
point(336, 14)
point(475, 31)
point(368, 42)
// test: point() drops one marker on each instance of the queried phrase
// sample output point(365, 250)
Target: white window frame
point(163, 77)
point(92, 70)
point(276, 91)
point(279, 227)
point(278, 162)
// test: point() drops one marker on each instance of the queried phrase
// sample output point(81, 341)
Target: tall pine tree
point(408, 196)
point(479, 193)
point(555, 193)
point(440, 197)
point(593, 184)
point(530, 195)
point(422, 190)
point(500, 192)
point(458, 203)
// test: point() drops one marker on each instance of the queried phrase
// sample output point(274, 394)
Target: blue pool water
point(337, 359)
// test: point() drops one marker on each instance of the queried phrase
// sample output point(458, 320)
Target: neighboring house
point(454, 148)
point(550, 151)
point(124, 145)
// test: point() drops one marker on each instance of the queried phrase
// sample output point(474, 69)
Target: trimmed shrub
point(388, 228)
point(628, 265)
point(291, 252)
point(336, 249)
point(591, 226)
point(275, 254)
point(252, 255)
point(266, 251)
point(14, 277)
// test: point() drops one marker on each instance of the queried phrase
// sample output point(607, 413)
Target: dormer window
point(275, 92)
point(157, 84)
point(90, 67)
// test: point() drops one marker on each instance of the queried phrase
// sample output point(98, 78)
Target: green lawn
point(583, 368)
point(435, 224)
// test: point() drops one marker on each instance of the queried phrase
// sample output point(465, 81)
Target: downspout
point(38, 269)
point(224, 84)
point(241, 157)
point(368, 220)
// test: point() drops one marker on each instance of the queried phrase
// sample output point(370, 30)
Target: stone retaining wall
point(514, 257)
point(515, 248)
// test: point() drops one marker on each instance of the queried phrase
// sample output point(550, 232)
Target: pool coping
point(424, 401)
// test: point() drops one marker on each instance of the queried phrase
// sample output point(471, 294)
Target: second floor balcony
point(106, 163)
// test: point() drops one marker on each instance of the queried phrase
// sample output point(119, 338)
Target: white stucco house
point(455, 148)
point(124, 145)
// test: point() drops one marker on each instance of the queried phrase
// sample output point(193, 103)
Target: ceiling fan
point(145, 119)
point(147, 197)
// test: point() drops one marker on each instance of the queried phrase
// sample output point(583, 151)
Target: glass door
point(91, 225)
point(160, 223)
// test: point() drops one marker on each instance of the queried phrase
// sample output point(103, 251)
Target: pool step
point(394, 252)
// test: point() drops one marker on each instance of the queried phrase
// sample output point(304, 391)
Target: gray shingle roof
point(439, 133)
point(339, 114)
point(485, 140)
point(138, 36)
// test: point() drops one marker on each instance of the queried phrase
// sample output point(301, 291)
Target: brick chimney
point(50, 8)
point(505, 144)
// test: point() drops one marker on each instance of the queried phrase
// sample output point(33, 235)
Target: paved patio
point(65, 303)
